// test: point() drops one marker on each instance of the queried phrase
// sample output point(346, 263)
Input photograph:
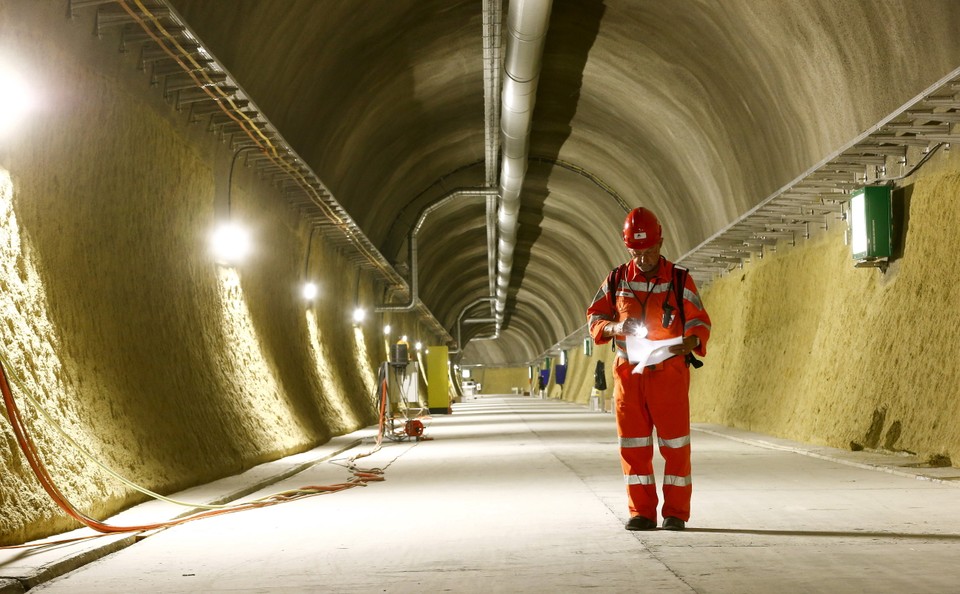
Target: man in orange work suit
point(653, 298)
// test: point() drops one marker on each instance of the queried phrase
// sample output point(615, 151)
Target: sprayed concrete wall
point(168, 368)
point(174, 371)
point(807, 347)
point(501, 380)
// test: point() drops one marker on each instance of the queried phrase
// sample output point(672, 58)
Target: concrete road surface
point(516, 494)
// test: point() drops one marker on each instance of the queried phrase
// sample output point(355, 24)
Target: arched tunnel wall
point(166, 367)
point(174, 371)
point(810, 348)
point(806, 347)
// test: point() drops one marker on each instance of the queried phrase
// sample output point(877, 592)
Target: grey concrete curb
point(904, 465)
point(61, 559)
point(71, 562)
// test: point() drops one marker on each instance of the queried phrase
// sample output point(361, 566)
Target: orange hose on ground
point(29, 449)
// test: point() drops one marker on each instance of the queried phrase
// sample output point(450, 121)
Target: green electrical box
point(870, 223)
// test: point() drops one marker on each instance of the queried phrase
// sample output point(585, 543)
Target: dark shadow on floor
point(827, 534)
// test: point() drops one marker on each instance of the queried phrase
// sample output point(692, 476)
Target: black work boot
point(640, 523)
point(671, 523)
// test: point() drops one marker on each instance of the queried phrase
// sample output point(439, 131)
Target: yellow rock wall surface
point(119, 327)
point(806, 347)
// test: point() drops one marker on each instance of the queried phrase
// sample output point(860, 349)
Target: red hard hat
point(641, 229)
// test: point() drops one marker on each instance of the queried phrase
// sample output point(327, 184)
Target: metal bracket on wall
point(887, 152)
point(190, 76)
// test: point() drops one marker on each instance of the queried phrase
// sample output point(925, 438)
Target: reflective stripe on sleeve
point(677, 481)
point(636, 442)
point(638, 479)
point(694, 323)
point(678, 442)
point(598, 317)
point(693, 298)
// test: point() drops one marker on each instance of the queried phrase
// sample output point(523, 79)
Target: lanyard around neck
point(643, 303)
point(667, 317)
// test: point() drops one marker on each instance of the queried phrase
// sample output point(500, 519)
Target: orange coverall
point(657, 398)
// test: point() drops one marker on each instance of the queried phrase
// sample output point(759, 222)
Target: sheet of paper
point(645, 352)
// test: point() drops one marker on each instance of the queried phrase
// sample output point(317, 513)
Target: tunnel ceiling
point(695, 109)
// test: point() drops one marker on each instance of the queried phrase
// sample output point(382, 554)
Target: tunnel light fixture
point(386, 330)
point(309, 291)
point(230, 243)
point(359, 314)
point(16, 99)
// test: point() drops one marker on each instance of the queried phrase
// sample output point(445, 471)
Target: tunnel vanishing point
point(459, 171)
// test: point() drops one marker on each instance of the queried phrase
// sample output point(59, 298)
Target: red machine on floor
point(403, 411)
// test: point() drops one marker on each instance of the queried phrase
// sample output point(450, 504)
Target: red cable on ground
point(29, 449)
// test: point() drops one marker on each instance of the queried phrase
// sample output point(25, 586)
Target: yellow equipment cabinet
point(438, 380)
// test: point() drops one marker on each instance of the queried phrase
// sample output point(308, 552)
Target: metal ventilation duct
point(458, 194)
point(527, 22)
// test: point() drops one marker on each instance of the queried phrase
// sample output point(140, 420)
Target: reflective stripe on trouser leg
point(639, 479)
point(668, 449)
point(636, 443)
